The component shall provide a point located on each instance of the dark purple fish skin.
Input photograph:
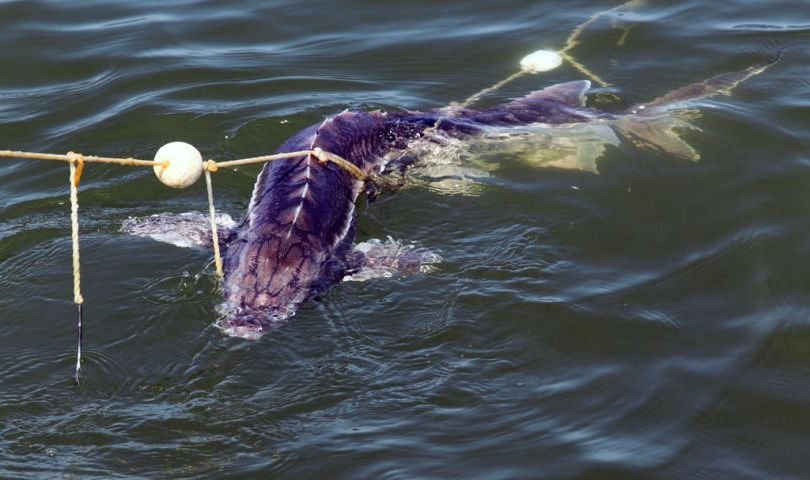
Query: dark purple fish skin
(294, 239)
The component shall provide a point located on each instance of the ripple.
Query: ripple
(769, 27)
(178, 289)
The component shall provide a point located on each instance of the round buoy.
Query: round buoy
(185, 164)
(541, 61)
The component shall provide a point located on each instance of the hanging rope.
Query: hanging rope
(76, 167)
(214, 236)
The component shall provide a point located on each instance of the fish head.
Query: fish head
(251, 323)
(268, 275)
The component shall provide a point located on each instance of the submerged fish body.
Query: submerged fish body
(297, 235)
(296, 238)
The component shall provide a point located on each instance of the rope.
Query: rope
(573, 40)
(322, 156)
(477, 96)
(77, 161)
(74, 224)
(210, 165)
(584, 70)
(77, 157)
(213, 213)
(76, 167)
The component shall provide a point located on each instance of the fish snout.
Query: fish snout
(250, 324)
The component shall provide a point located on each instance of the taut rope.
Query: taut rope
(214, 236)
(210, 165)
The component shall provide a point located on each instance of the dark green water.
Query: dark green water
(650, 322)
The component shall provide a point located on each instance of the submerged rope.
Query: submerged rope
(474, 98)
(573, 40)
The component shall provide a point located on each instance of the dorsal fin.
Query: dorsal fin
(569, 93)
(557, 104)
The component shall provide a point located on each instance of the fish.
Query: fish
(297, 237)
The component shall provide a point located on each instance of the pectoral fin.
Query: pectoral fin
(187, 230)
(383, 259)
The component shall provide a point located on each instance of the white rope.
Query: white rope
(214, 237)
(75, 174)
(77, 157)
(74, 225)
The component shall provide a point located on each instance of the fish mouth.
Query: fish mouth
(250, 324)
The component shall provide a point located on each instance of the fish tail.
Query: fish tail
(658, 124)
(721, 84)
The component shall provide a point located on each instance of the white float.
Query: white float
(185, 164)
(541, 61)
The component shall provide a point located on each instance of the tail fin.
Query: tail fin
(717, 85)
(645, 125)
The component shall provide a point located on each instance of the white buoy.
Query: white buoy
(541, 61)
(185, 164)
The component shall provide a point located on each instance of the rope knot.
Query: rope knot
(76, 159)
(320, 155)
(325, 157)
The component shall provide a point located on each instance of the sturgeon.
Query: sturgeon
(296, 239)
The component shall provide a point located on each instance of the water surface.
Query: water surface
(649, 322)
